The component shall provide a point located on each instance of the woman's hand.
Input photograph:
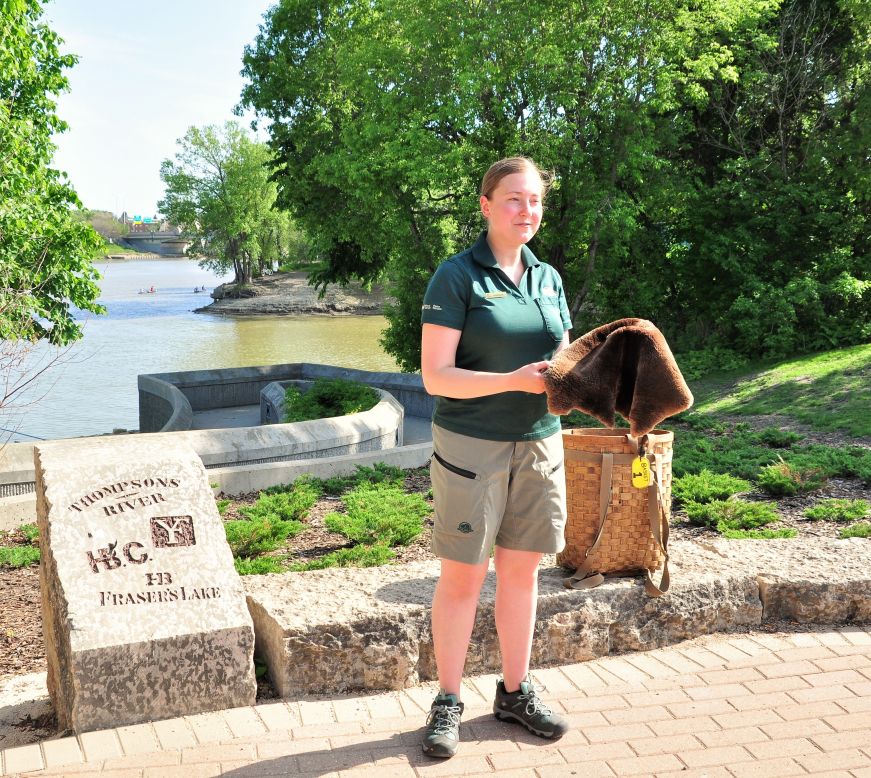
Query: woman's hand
(530, 378)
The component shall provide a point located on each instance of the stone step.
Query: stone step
(337, 630)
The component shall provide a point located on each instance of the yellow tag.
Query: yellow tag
(641, 473)
(494, 295)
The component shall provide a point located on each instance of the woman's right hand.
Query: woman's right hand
(530, 378)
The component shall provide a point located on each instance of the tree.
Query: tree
(45, 251)
(104, 222)
(218, 191)
(764, 238)
(383, 117)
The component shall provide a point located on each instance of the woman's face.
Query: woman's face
(513, 210)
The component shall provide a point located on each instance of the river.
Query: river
(92, 387)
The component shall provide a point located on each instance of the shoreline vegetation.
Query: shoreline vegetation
(110, 252)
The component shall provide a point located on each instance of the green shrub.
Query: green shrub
(784, 479)
(730, 514)
(328, 397)
(293, 505)
(696, 364)
(846, 462)
(707, 486)
(737, 454)
(740, 453)
(380, 513)
(30, 531)
(702, 422)
(758, 534)
(777, 438)
(222, 506)
(578, 419)
(378, 473)
(838, 510)
(860, 530)
(356, 556)
(247, 538)
(18, 556)
(277, 515)
(259, 566)
(304, 485)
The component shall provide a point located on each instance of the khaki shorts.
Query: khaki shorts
(490, 492)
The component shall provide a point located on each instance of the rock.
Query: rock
(343, 629)
(368, 636)
(811, 580)
(144, 615)
(283, 294)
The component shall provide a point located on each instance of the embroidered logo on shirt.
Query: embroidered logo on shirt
(428, 307)
(549, 291)
(464, 527)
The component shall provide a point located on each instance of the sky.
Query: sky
(146, 72)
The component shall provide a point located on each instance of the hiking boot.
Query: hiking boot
(525, 707)
(442, 736)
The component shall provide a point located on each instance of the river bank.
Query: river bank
(289, 293)
(128, 256)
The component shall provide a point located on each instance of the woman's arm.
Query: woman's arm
(442, 377)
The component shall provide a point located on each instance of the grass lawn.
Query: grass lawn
(828, 391)
(111, 248)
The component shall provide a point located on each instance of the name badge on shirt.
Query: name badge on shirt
(494, 295)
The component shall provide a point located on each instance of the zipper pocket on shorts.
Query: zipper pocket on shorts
(454, 468)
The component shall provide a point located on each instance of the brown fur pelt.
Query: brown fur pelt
(625, 366)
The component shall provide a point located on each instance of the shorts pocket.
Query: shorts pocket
(553, 492)
(453, 468)
(458, 494)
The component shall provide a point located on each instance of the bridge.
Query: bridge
(167, 244)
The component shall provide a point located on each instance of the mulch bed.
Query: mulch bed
(21, 647)
(21, 642)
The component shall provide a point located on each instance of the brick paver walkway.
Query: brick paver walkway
(755, 704)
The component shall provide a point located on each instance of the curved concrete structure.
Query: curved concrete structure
(165, 399)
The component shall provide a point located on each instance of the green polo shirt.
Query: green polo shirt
(503, 327)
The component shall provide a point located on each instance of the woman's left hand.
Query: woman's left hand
(530, 378)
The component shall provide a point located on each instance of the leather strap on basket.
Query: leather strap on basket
(585, 577)
(659, 529)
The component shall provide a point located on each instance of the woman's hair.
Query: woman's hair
(508, 166)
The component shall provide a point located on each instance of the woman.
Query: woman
(492, 317)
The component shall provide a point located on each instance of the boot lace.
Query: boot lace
(534, 704)
(443, 719)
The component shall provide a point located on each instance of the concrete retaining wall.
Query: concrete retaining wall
(209, 389)
(252, 478)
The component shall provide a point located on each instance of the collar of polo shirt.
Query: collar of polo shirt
(483, 255)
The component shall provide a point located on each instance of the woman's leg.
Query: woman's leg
(453, 616)
(516, 601)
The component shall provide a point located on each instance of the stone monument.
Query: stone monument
(143, 613)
